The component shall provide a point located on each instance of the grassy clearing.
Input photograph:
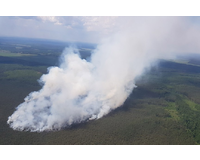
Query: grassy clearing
(9, 54)
(180, 61)
(172, 109)
(21, 74)
(193, 106)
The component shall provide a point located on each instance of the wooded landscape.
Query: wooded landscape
(163, 109)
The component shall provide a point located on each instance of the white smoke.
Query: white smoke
(79, 90)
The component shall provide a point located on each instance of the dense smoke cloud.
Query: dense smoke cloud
(80, 90)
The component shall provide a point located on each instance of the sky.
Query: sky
(64, 28)
(91, 29)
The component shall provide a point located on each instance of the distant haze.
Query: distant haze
(80, 90)
(67, 28)
(82, 29)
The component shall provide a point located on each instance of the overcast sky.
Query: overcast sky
(68, 28)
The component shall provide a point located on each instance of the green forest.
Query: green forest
(163, 109)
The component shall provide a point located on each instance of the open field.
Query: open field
(9, 54)
(163, 109)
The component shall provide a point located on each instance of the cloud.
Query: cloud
(105, 25)
(65, 21)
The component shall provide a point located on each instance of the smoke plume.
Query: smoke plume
(80, 90)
